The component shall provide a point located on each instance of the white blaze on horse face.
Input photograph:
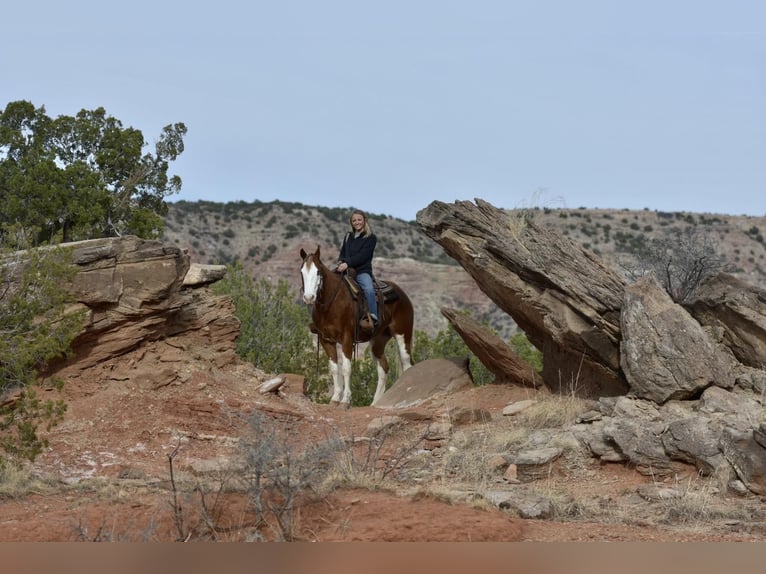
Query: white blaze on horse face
(311, 282)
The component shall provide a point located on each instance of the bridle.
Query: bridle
(320, 284)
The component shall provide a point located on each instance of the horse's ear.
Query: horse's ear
(303, 253)
(317, 251)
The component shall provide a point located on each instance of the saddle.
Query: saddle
(383, 290)
(383, 293)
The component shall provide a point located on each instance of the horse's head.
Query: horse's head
(311, 275)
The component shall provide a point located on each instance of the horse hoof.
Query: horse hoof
(345, 406)
(334, 403)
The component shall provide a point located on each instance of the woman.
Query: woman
(356, 252)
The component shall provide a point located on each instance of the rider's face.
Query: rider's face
(357, 222)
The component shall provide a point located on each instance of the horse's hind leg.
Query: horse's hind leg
(404, 345)
(345, 368)
(381, 366)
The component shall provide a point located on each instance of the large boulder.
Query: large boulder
(426, 380)
(666, 354)
(736, 312)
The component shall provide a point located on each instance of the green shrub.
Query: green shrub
(364, 374)
(527, 351)
(274, 334)
(447, 344)
(37, 326)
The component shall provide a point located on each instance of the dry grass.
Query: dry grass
(697, 503)
(17, 481)
(553, 411)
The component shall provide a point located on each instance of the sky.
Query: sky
(388, 106)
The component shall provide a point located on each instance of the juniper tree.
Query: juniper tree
(80, 177)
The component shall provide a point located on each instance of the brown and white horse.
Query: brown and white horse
(335, 314)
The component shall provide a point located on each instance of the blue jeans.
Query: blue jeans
(365, 282)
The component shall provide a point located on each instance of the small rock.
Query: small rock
(517, 407)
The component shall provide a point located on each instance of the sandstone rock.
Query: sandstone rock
(533, 464)
(694, 439)
(593, 437)
(199, 274)
(133, 292)
(720, 401)
(272, 385)
(636, 428)
(525, 504)
(517, 407)
(747, 457)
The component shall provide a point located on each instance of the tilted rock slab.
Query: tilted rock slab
(492, 351)
(562, 296)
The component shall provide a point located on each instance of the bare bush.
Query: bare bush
(679, 261)
(369, 462)
(280, 466)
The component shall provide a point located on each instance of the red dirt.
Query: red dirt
(107, 469)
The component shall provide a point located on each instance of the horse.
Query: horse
(336, 314)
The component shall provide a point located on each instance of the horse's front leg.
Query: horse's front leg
(332, 363)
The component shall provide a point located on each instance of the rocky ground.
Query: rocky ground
(146, 456)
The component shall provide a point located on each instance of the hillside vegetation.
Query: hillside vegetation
(265, 238)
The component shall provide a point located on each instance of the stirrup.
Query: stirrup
(367, 323)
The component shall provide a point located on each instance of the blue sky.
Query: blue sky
(387, 106)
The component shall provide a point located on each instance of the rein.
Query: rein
(334, 295)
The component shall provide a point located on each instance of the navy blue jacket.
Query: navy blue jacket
(357, 252)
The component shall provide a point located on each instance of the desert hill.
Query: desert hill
(265, 238)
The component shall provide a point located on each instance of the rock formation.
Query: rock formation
(736, 313)
(675, 384)
(562, 296)
(135, 290)
(665, 353)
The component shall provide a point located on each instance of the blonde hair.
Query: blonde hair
(367, 229)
